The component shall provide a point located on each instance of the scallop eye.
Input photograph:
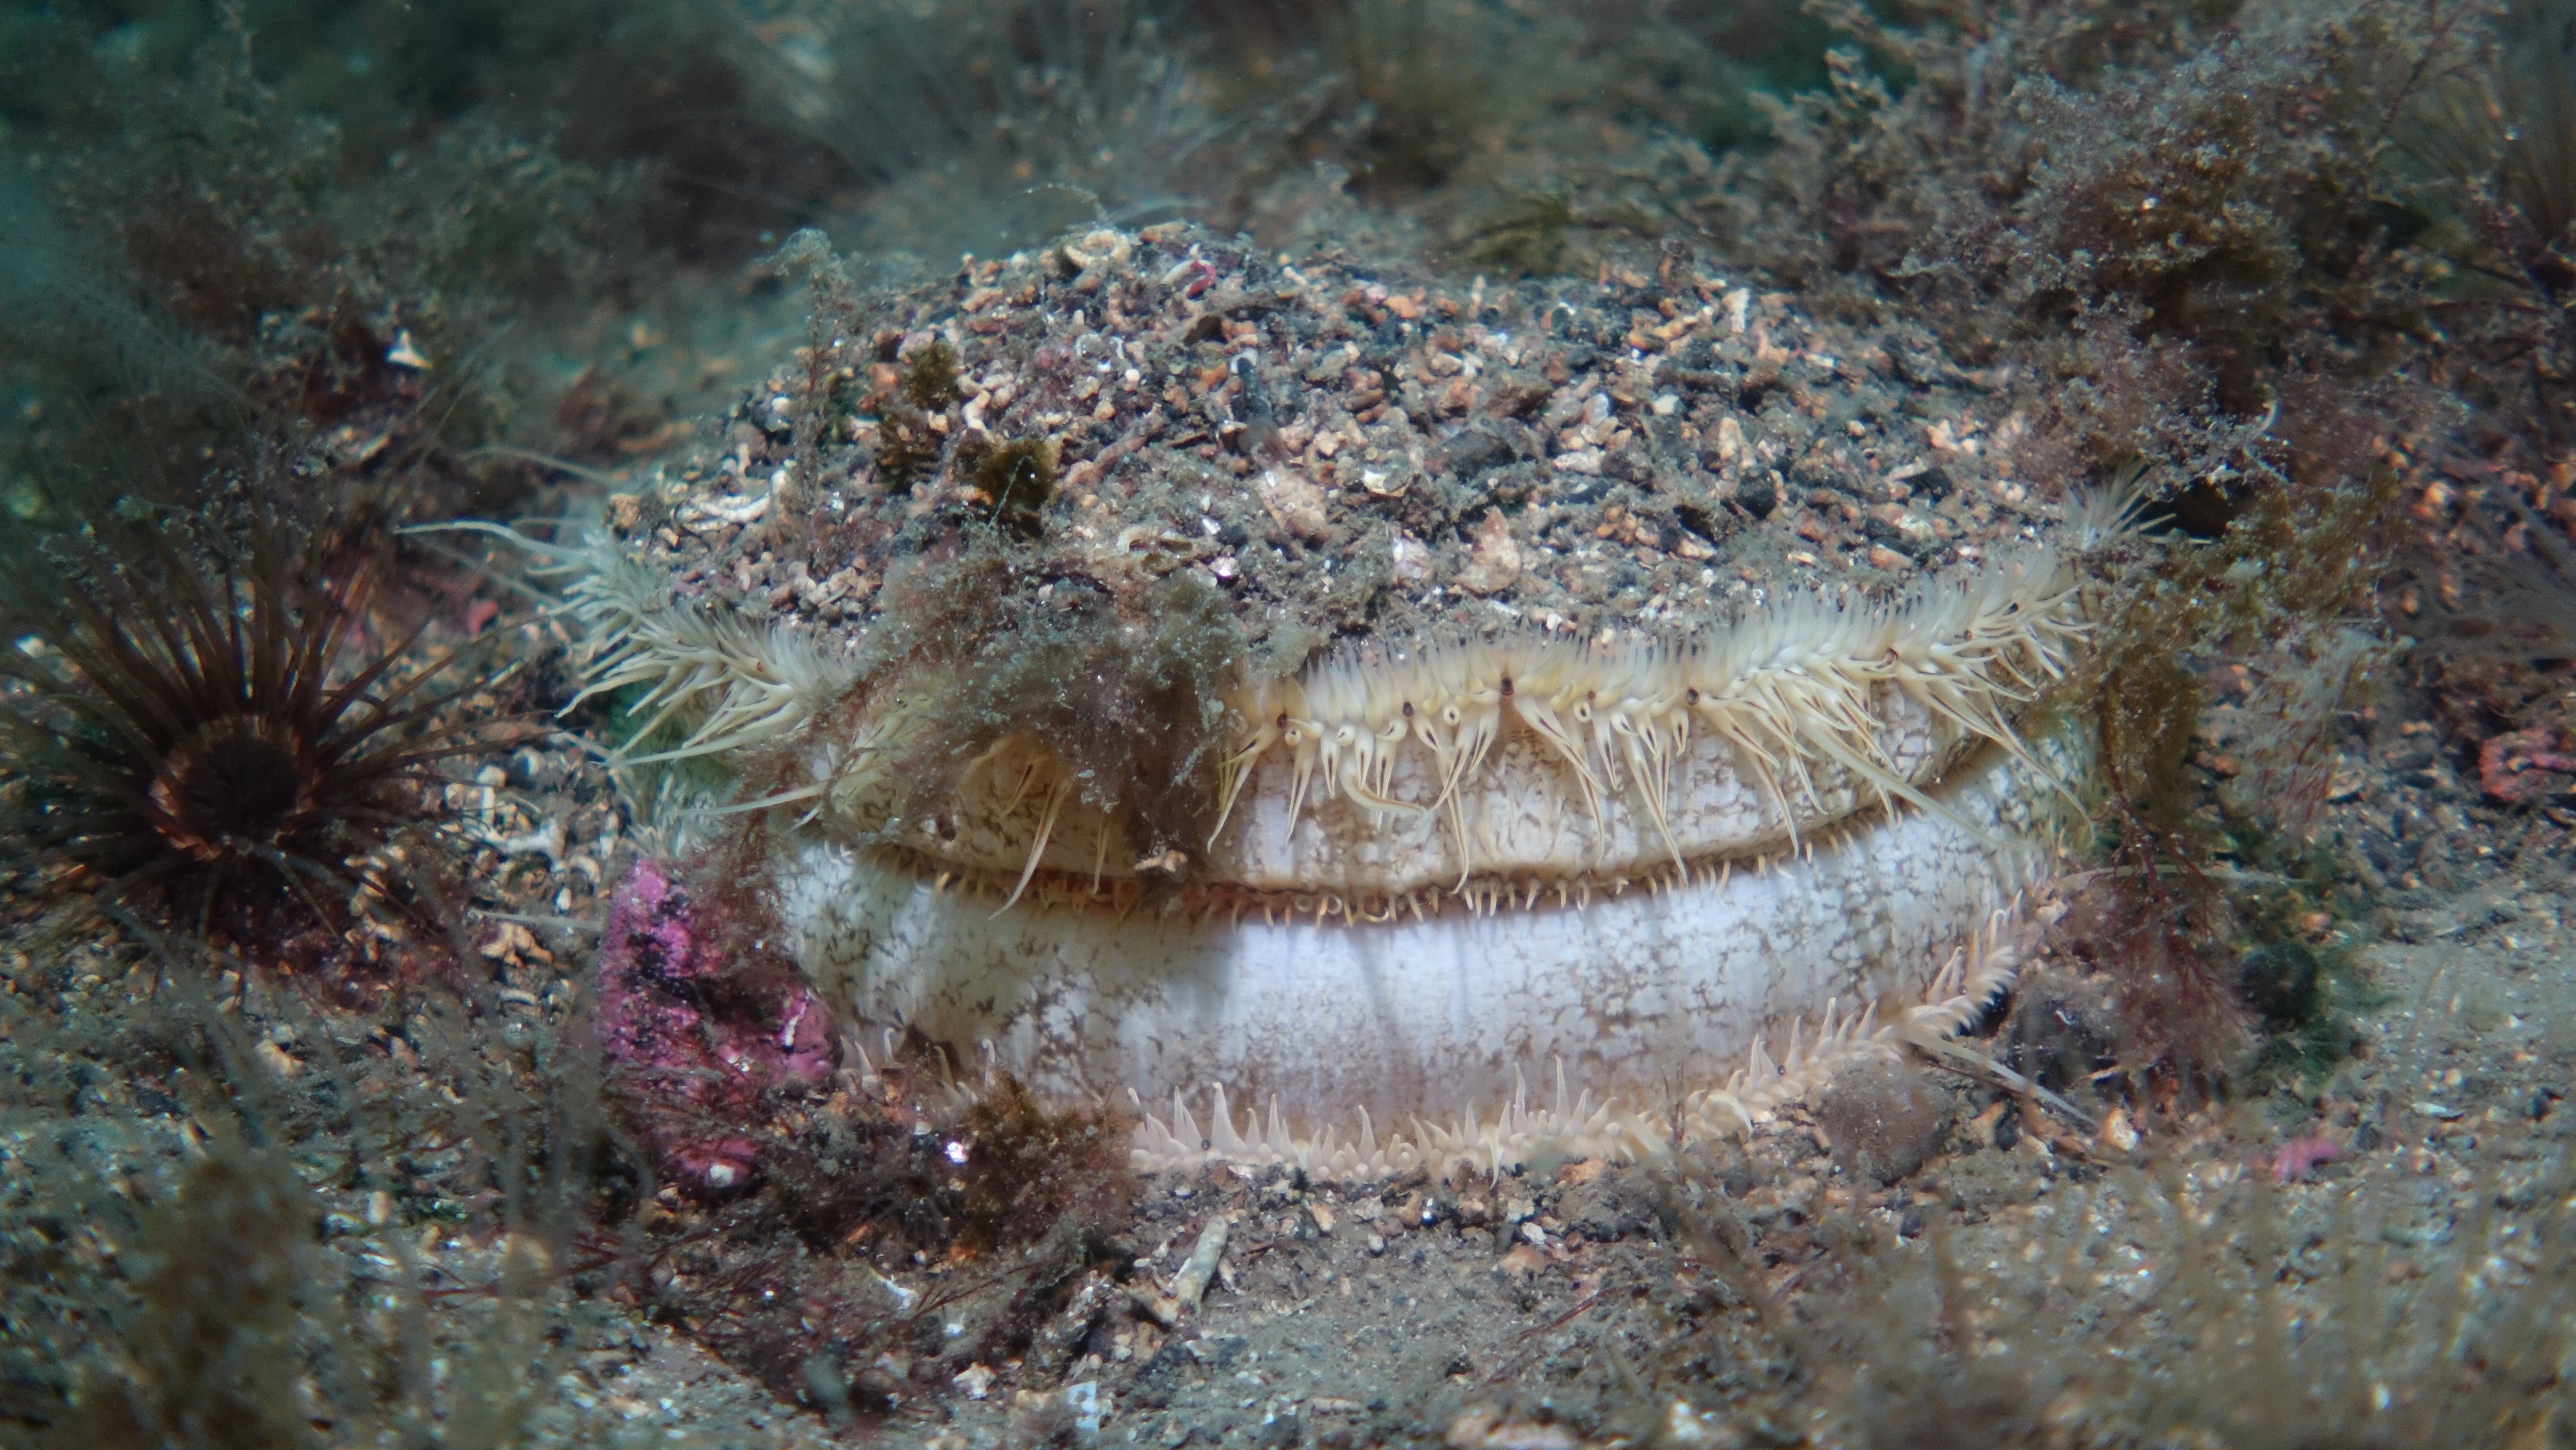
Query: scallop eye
(1691, 696)
(1507, 687)
(1408, 709)
(1283, 720)
(1450, 716)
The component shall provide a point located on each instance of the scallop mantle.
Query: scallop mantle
(1468, 906)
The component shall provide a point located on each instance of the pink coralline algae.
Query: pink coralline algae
(698, 1035)
(2526, 765)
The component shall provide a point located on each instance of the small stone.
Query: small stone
(1474, 450)
(1331, 1405)
(1607, 1208)
(1294, 502)
(1192, 1281)
(1163, 1309)
(1411, 560)
(1496, 560)
(1089, 1407)
(1730, 441)
(1217, 1351)
(1687, 1429)
(2118, 1134)
(1882, 1120)
(278, 1060)
(1759, 496)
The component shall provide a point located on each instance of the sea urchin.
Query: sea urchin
(217, 744)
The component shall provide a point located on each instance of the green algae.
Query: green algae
(1125, 679)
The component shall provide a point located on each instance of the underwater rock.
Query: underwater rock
(698, 1035)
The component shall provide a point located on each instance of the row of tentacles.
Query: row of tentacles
(1790, 687)
(1574, 1125)
(1797, 683)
